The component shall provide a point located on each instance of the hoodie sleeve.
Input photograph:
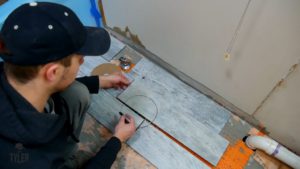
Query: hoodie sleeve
(106, 156)
(91, 82)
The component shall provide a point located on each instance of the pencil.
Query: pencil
(126, 120)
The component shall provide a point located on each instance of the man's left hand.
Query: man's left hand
(116, 80)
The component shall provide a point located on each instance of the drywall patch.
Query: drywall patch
(128, 34)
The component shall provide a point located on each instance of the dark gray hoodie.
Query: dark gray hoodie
(33, 140)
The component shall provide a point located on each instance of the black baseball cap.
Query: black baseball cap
(42, 32)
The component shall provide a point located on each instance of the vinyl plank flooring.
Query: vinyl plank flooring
(186, 114)
(162, 151)
(142, 70)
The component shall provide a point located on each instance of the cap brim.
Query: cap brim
(97, 42)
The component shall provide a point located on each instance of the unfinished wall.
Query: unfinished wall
(193, 36)
(282, 112)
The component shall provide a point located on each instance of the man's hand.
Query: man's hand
(125, 130)
(116, 80)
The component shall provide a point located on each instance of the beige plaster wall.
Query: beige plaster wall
(193, 35)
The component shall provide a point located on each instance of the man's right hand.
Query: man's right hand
(124, 130)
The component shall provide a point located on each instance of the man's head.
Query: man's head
(47, 37)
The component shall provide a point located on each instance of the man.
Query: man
(42, 105)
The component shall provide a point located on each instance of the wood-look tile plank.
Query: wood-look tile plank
(149, 142)
(204, 109)
(163, 152)
(186, 114)
(105, 108)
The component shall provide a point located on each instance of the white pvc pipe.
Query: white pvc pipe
(275, 149)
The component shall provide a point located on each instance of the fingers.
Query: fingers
(124, 130)
(128, 119)
(121, 81)
(122, 119)
(115, 80)
(124, 79)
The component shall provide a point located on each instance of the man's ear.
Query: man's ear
(52, 72)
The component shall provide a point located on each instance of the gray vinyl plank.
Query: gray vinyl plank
(105, 109)
(115, 47)
(186, 114)
(162, 151)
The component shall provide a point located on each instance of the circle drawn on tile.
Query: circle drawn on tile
(145, 106)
